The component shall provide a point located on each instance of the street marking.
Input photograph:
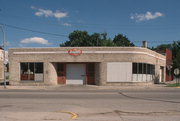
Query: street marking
(73, 115)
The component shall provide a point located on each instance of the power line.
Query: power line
(25, 29)
(153, 41)
(108, 26)
(47, 33)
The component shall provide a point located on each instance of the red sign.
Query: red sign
(75, 52)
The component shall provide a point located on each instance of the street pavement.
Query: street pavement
(90, 103)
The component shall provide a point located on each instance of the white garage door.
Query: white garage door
(119, 71)
(74, 73)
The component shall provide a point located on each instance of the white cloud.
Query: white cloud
(67, 24)
(147, 16)
(42, 12)
(33, 7)
(59, 14)
(37, 40)
(49, 13)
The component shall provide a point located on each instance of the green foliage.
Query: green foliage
(121, 40)
(174, 85)
(175, 47)
(162, 47)
(176, 54)
(78, 38)
(82, 38)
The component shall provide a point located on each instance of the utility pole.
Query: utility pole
(4, 63)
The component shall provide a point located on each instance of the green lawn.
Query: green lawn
(173, 85)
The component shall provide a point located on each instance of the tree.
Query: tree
(82, 38)
(176, 54)
(78, 38)
(96, 39)
(101, 40)
(175, 47)
(161, 47)
(121, 40)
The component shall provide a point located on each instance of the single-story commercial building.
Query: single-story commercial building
(85, 65)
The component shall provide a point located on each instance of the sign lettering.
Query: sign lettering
(75, 52)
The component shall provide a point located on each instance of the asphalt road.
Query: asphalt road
(137, 104)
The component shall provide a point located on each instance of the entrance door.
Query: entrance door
(90, 73)
(61, 72)
(75, 73)
(161, 74)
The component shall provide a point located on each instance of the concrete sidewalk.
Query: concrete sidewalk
(82, 87)
(50, 87)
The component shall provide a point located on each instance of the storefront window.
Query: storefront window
(143, 68)
(140, 68)
(31, 71)
(24, 68)
(38, 67)
(148, 69)
(134, 68)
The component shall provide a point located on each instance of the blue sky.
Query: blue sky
(156, 21)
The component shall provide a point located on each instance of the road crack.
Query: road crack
(147, 99)
(134, 113)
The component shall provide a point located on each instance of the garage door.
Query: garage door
(119, 72)
(74, 73)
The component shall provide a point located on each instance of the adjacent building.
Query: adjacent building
(2, 62)
(169, 63)
(85, 65)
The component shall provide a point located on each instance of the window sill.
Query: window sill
(29, 81)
